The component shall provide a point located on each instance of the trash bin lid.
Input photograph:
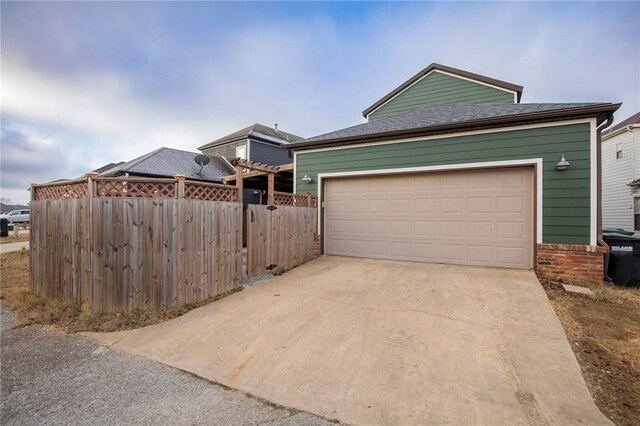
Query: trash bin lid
(620, 238)
(619, 231)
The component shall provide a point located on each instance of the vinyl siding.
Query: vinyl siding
(566, 197)
(269, 154)
(227, 150)
(617, 201)
(438, 88)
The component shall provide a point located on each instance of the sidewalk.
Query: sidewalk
(7, 248)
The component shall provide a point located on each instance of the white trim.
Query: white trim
(536, 162)
(448, 135)
(445, 73)
(475, 81)
(248, 149)
(295, 174)
(628, 128)
(594, 183)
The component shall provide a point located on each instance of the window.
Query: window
(618, 151)
(636, 214)
(241, 152)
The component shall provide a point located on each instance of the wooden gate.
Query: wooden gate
(279, 237)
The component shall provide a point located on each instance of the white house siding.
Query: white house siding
(617, 200)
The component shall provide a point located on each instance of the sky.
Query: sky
(85, 84)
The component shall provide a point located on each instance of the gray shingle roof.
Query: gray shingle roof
(168, 162)
(257, 130)
(634, 119)
(440, 115)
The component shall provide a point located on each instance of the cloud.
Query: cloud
(91, 83)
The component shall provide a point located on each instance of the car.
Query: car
(17, 216)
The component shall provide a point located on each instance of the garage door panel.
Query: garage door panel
(514, 230)
(511, 204)
(480, 229)
(402, 205)
(481, 205)
(425, 205)
(471, 217)
(456, 205)
(481, 254)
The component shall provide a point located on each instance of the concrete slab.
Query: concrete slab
(384, 342)
(577, 289)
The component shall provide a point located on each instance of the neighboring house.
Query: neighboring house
(451, 168)
(168, 162)
(621, 175)
(256, 143)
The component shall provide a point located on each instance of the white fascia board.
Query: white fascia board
(535, 162)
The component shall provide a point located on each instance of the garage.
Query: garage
(475, 217)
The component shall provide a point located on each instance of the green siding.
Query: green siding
(566, 197)
(439, 88)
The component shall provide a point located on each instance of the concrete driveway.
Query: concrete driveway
(384, 342)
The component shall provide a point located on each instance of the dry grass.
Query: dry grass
(604, 331)
(33, 309)
(10, 239)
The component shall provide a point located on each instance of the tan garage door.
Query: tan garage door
(470, 218)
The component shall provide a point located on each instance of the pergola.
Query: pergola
(260, 176)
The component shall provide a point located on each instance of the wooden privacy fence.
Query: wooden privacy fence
(279, 237)
(114, 244)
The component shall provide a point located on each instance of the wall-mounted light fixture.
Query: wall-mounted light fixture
(306, 178)
(563, 164)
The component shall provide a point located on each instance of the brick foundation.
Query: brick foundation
(571, 262)
(316, 245)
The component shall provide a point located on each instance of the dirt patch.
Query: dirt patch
(604, 332)
(33, 309)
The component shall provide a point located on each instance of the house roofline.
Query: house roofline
(599, 111)
(434, 66)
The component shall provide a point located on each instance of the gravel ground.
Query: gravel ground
(55, 378)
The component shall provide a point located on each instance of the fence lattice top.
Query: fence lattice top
(210, 192)
(62, 191)
(156, 188)
(287, 199)
(135, 189)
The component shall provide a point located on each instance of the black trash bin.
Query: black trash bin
(624, 259)
(4, 227)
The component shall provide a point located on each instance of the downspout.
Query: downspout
(599, 194)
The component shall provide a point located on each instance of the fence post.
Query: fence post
(180, 189)
(90, 183)
(239, 183)
(271, 185)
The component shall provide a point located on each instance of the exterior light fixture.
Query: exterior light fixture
(306, 178)
(563, 164)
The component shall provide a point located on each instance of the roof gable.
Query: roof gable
(255, 131)
(440, 84)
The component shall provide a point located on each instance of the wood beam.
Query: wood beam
(271, 189)
(255, 165)
(239, 183)
(231, 178)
